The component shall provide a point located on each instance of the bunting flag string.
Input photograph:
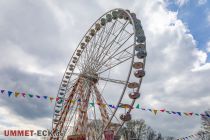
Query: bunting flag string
(193, 136)
(92, 104)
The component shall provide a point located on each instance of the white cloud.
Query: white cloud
(208, 18)
(181, 2)
(172, 54)
(208, 47)
(202, 2)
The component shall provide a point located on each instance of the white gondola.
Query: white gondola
(97, 26)
(115, 14)
(138, 65)
(141, 54)
(134, 95)
(87, 39)
(78, 54)
(68, 73)
(139, 47)
(71, 69)
(82, 45)
(139, 73)
(120, 14)
(133, 85)
(67, 77)
(141, 39)
(103, 21)
(125, 117)
(109, 17)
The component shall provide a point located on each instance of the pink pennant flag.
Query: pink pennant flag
(23, 94)
(51, 98)
(162, 110)
(191, 113)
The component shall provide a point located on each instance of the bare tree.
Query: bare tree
(206, 121)
(135, 129)
(150, 134)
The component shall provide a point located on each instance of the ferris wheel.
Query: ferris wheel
(104, 74)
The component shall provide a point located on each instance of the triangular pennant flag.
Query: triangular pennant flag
(72, 101)
(2, 91)
(197, 114)
(155, 111)
(179, 113)
(138, 106)
(173, 112)
(16, 94)
(202, 115)
(112, 106)
(37, 96)
(45, 97)
(79, 100)
(10, 93)
(57, 98)
(168, 112)
(30, 95)
(190, 113)
(103, 105)
(162, 110)
(51, 98)
(92, 104)
(23, 94)
(60, 101)
(186, 114)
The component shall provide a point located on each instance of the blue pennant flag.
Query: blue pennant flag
(37, 96)
(179, 113)
(2, 91)
(45, 97)
(173, 112)
(10, 93)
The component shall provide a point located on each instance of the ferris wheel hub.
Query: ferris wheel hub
(90, 77)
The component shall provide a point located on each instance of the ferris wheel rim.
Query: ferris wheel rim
(128, 77)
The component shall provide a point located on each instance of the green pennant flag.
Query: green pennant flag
(92, 104)
(138, 106)
(30, 95)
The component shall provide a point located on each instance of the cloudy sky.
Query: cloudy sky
(37, 39)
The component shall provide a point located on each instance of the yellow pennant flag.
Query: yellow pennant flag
(103, 105)
(186, 114)
(155, 111)
(72, 101)
(16, 94)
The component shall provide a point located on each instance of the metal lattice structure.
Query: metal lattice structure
(110, 58)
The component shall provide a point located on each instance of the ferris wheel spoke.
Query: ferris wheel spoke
(100, 36)
(114, 54)
(112, 66)
(105, 41)
(105, 47)
(122, 23)
(111, 43)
